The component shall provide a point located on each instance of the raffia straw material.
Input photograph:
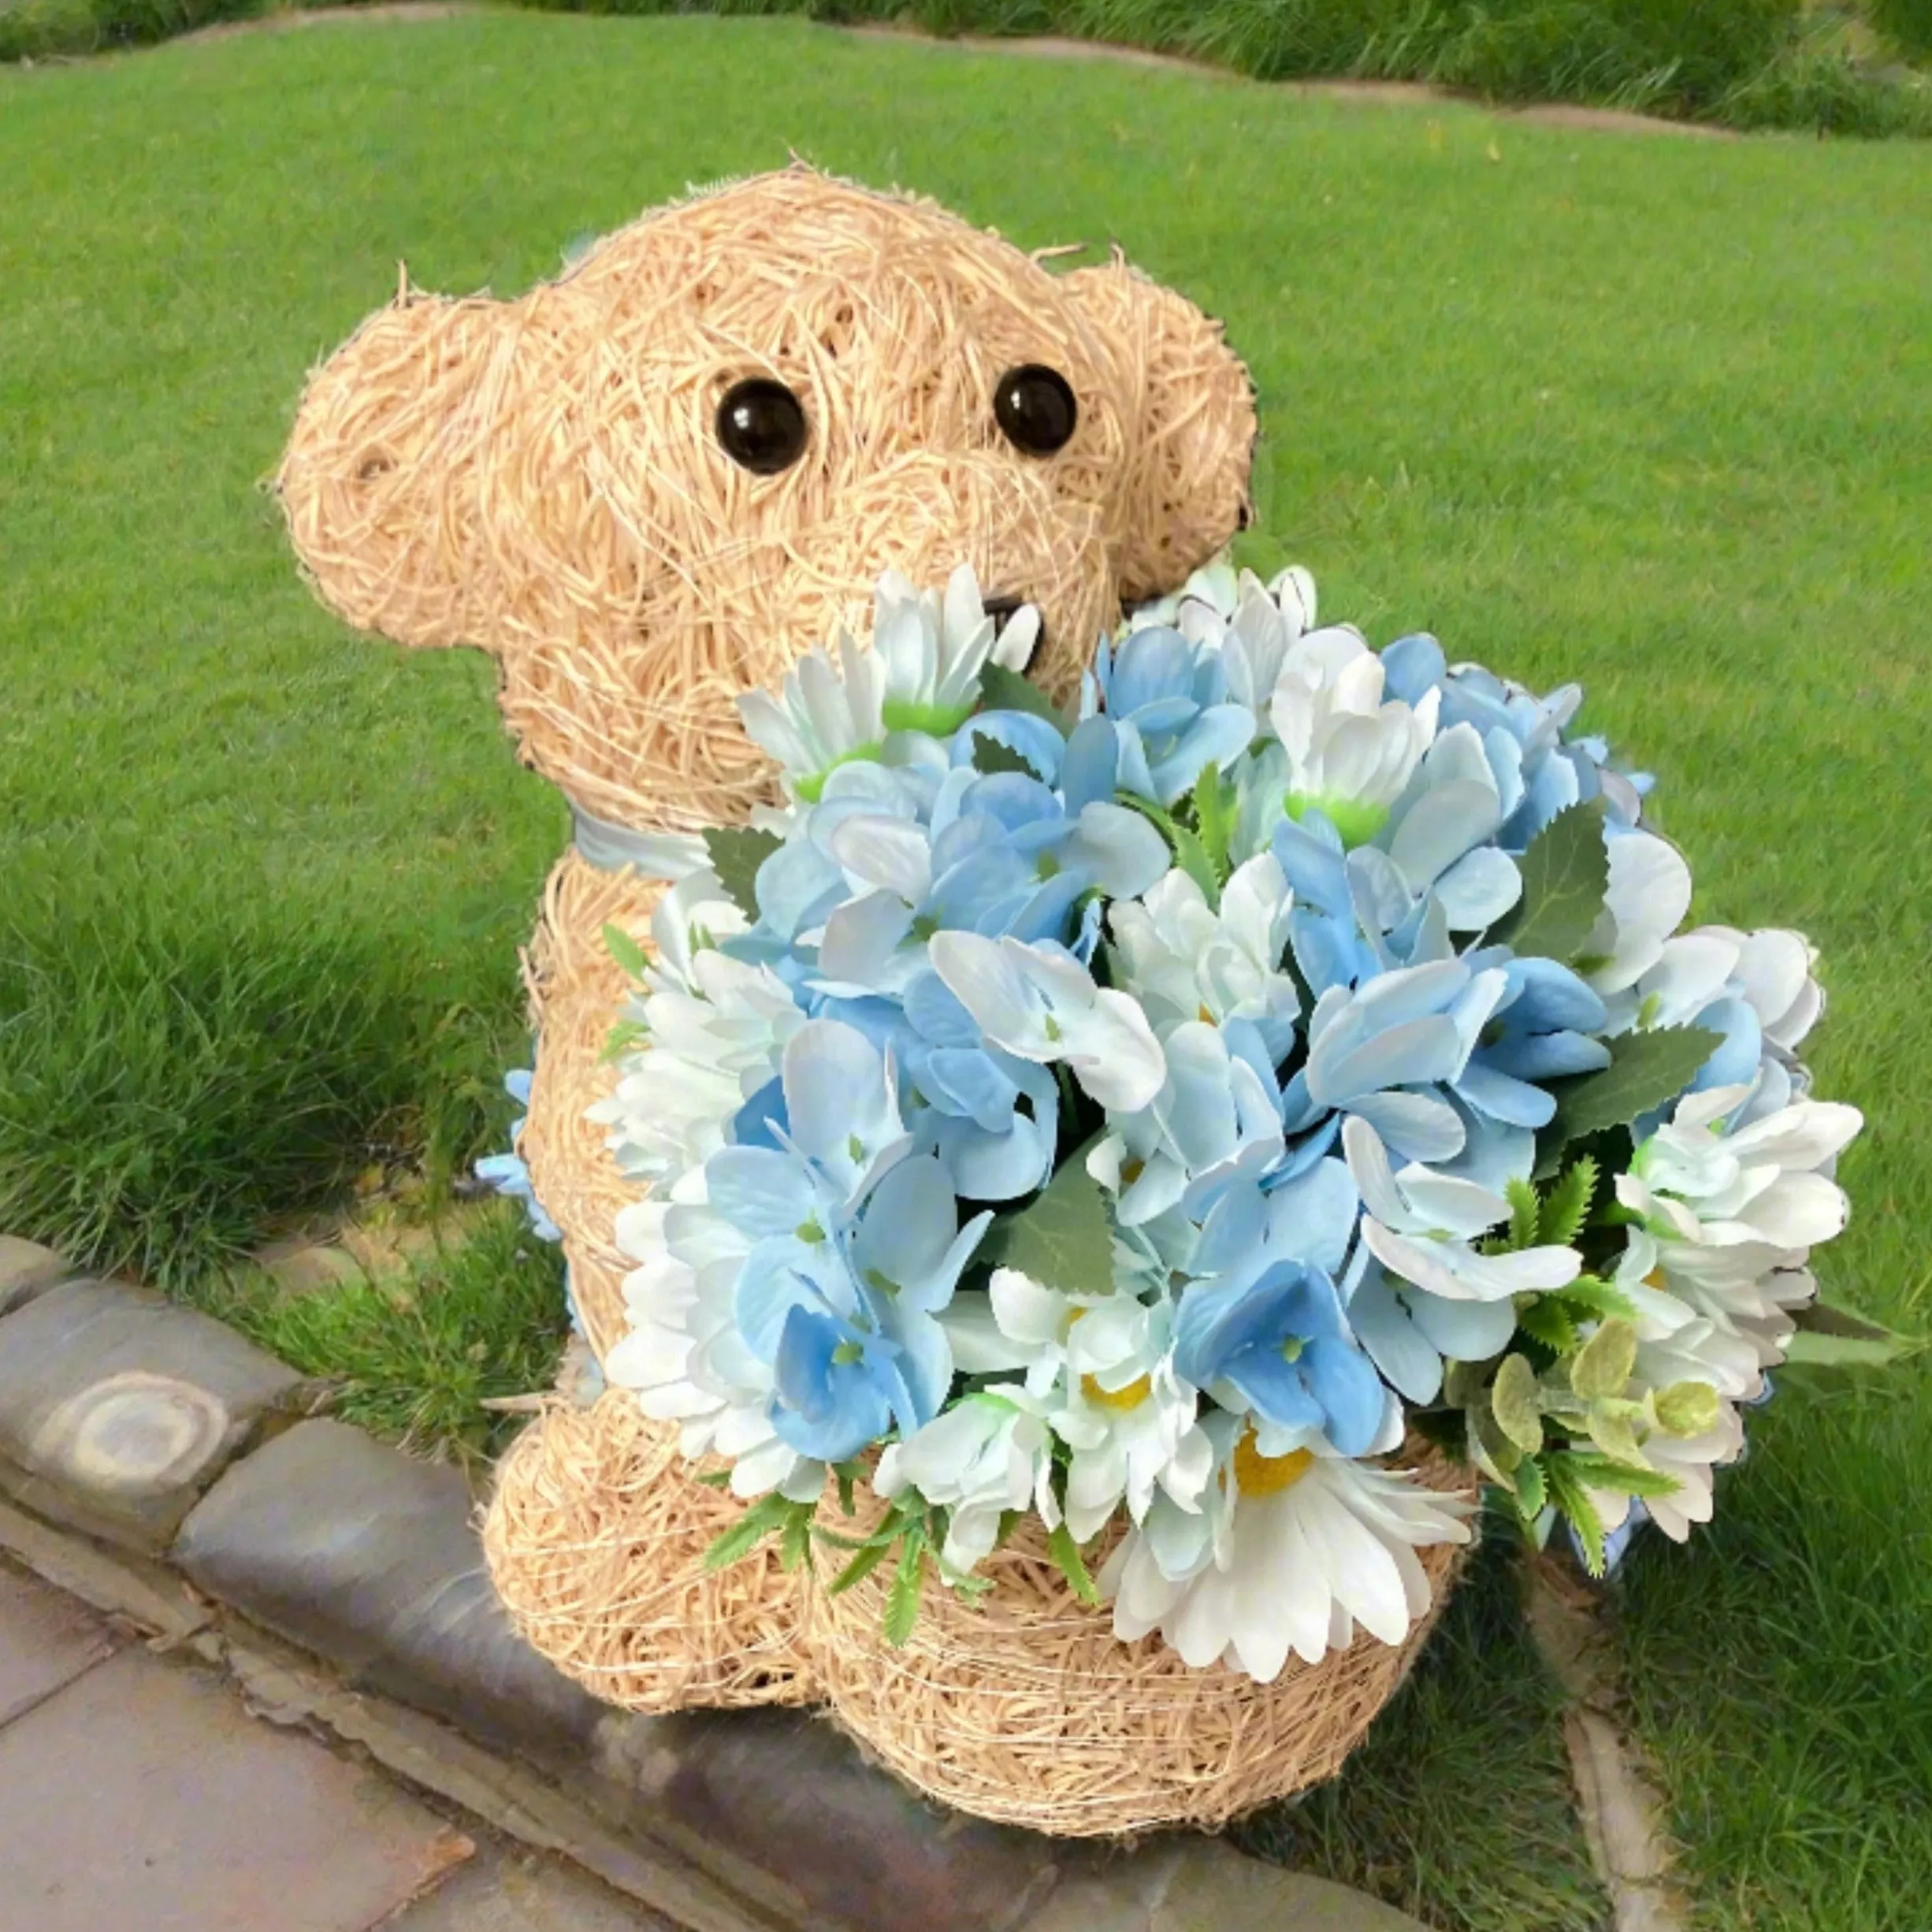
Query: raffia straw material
(596, 1539)
(1022, 1706)
(543, 477)
(574, 988)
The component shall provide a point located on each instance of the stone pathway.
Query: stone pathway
(136, 1790)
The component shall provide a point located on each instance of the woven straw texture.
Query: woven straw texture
(543, 476)
(596, 1539)
(574, 988)
(1024, 1707)
(1021, 1707)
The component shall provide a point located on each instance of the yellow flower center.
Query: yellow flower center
(1266, 1476)
(1131, 1397)
(1655, 1279)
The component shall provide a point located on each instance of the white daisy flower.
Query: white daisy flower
(1292, 1551)
(1693, 1462)
(1350, 755)
(1184, 960)
(990, 1453)
(920, 673)
(934, 647)
(715, 1027)
(1128, 1418)
(1728, 1215)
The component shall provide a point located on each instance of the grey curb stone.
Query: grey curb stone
(829, 1837)
(369, 1558)
(117, 1409)
(27, 1271)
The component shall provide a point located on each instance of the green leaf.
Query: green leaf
(766, 1514)
(1835, 1338)
(1531, 1491)
(1602, 1366)
(1001, 689)
(990, 756)
(845, 1474)
(1566, 1206)
(1526, 1213)
(1062, 1237)
(902, 1598)
(795, 1539)
(1065, 1551)
(1589, 1296)
(736, 853)
(1614, 1432)
(713, 1479)
(625, 950)
(1600, 1472)
(625, 1037)
(861, 1566)
(1516, 1404)
(1686, 1408)
(1645, 1070)
(1566, 874)
(1567, 1492)
(1215, 811)
(1544, 1319)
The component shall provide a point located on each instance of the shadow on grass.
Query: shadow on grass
(1458, 1808)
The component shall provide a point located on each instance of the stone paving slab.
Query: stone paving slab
(371, 1558)
(47, 1640)
(141, 1796)
(118, 1408)
(501, 1892)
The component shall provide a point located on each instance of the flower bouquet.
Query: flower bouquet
(1164, 1134)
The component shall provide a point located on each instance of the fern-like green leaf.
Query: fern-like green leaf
(1544, 1319)
(1567, 1492)
(1629, 1479)
(902, 1598)
(861, 1566)
(1526, 1213)
(1566, 1206)
(766, 1514)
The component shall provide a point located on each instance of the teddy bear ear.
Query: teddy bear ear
(379, 481)
(1189, 414)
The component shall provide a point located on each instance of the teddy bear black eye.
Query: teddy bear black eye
(1034, 408)
(762, 426)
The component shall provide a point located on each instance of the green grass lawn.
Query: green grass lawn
(1654, 412)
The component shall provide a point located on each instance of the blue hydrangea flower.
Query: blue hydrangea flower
(1167, 699)
(508, 1173)
(1555, 772)
(1265, 1320)
(1381, 1050)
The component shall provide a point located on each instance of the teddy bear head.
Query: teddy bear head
(656, 482)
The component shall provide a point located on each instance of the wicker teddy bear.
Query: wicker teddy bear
(646, 487)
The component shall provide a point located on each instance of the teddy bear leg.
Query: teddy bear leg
(595, 1538)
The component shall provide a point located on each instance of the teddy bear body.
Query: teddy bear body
(648, 487)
